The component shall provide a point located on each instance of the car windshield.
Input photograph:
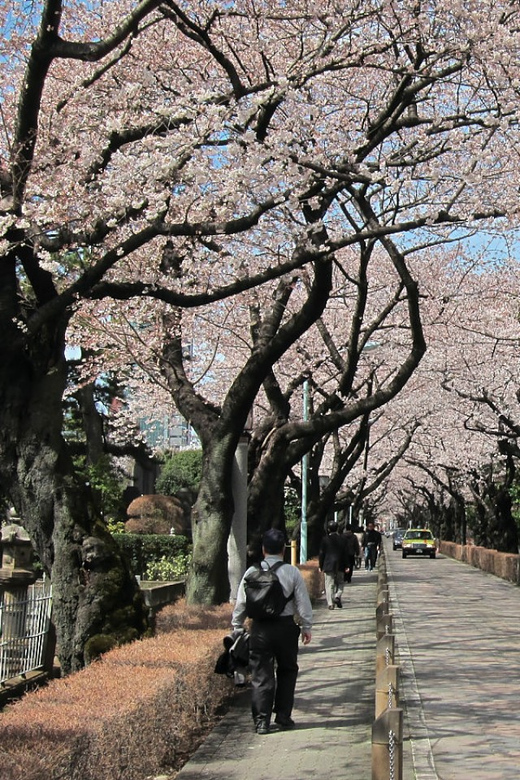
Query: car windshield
(418, 534)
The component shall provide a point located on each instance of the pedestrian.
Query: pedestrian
(273, 642)
(352, 551)
(371, 545)
(332, 563)
(359, 533)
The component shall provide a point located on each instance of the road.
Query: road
(458, 636)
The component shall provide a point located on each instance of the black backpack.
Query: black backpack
(265, 598)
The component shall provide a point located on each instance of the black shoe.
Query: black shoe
(262, 727)
(338, 602)
(284, 723)
(331, 606)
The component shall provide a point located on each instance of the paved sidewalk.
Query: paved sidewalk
(334, 708)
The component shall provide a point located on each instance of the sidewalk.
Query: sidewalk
(334, 708)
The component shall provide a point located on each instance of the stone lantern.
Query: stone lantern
(17, 557)
(16, 574)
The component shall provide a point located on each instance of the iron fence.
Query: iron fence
(24, 626)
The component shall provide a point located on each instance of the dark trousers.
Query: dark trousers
(370, 555)
(350, 562)
(273, 653)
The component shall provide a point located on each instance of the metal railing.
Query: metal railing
(24, 625)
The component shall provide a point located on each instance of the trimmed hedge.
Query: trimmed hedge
(138, 712)
(142, 549)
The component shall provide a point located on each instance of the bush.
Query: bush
(143, 550)
(167, 569)
(85, 726)
(157, 514)
(313, 578)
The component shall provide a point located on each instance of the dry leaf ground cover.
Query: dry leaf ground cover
(140, 711)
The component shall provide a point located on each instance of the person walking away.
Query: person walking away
(332, 563)
(273, 642)
(359, 534)
(371, 545)
(352, 551)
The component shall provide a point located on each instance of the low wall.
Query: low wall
(158, 594)
(504, 565)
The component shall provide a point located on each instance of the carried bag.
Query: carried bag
(235, 657)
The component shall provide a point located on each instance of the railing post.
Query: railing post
(384, 625)
(387, 746)
(387, 689)
(385, 649)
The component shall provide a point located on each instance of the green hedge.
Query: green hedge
(142, 549)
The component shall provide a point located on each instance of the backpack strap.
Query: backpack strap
(274, 568)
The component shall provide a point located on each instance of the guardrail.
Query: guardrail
(387, 729)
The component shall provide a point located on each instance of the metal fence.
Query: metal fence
(24, 625)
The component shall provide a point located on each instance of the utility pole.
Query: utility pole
(305, 469)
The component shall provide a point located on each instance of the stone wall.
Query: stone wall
(504, 565)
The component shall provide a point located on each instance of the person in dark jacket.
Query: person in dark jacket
(332, 564)
(371, 545)
(352, 551)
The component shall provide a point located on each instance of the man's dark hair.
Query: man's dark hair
(273, 541)
(332, 526)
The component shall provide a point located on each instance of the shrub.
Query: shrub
(147, 525)
(145, 549)
(140, 710)
(167, 569)
(156, 514)
(313, 578)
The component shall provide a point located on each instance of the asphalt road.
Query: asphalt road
(458, 636)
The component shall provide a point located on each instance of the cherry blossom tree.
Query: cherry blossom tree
(344, 388)
(185, 153)
(463, 460)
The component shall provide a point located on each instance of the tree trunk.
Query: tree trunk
(219, 430)
(265, 502)
(208, 581)
(96, 600)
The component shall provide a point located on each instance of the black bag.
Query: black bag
(236, 654)
(265, 598)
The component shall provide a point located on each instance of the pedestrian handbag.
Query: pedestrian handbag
(236, 653)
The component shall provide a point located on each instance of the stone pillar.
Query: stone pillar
(16, 574)
(237, 543)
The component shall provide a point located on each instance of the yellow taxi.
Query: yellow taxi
(419, 541)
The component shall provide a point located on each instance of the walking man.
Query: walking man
(352, 551)
(274, 641)
(372, 544)
(332, 563)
